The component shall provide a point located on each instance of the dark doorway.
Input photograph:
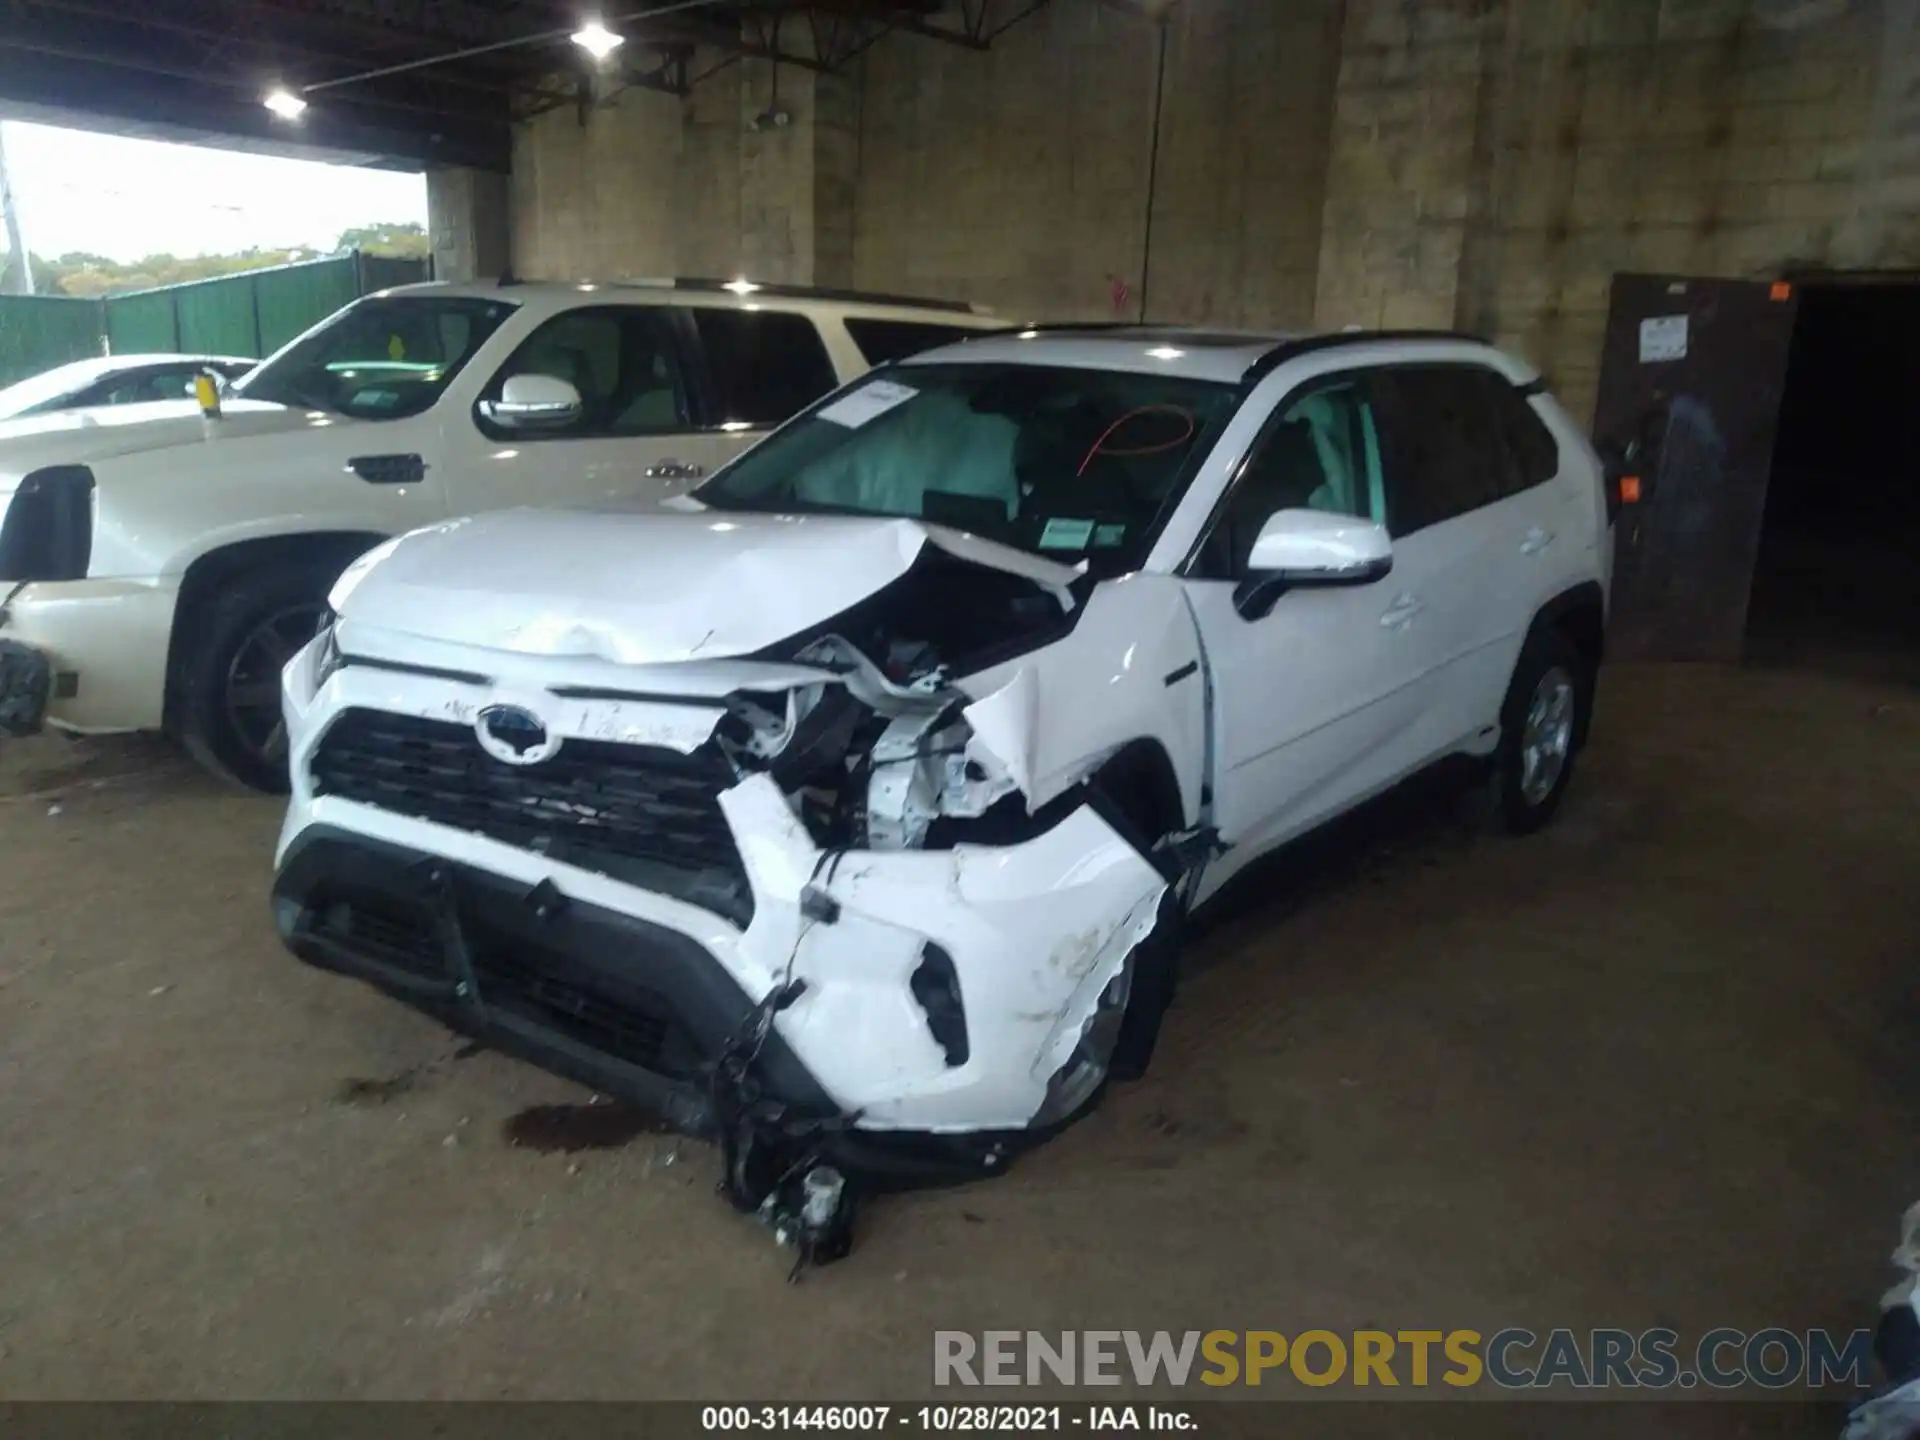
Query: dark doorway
(1837, 579)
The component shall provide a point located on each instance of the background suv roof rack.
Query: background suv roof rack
(810, 292)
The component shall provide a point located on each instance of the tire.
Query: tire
(1541, 721)
(236, 645)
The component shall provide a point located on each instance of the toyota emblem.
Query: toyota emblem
(514, 735)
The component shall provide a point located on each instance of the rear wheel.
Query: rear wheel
(1540, 724)
(229, 714)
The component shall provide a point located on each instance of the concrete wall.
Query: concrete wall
(1020, 178)
(1495, 162)
(1487, 164)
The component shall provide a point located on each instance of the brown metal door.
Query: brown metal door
(1690, 384)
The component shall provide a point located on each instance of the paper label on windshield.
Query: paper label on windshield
(1065, 534)
(869, 402)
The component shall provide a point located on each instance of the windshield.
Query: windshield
(44, 389)
(1066, 463)
(379, 359)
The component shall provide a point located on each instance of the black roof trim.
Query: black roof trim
(821, 292)
(1292, 349)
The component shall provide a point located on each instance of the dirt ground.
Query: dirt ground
(1656, 1066)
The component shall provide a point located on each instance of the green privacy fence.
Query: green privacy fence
(253, 313)
(38, 332)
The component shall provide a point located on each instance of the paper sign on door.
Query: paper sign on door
(1663, 337)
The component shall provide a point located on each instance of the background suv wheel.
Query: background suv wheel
(229, 715)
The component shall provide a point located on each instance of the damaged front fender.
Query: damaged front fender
(1032, 936)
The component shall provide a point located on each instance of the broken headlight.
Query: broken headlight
(326, 656)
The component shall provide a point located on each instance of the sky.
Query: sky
(126, 199)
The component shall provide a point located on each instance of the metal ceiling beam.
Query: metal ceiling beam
(127, 48)
(269, 58)
(63, 90)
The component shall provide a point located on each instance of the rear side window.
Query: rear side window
(1535, 453)
(1448, 451)
(766, 365)
(884, 341)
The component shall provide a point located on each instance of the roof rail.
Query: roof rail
(1310, 344)
(743, 288)
(1057, 326)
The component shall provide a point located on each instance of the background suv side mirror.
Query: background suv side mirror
(1310, 547)
(530, 401)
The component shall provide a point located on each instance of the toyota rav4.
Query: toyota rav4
(849, 807)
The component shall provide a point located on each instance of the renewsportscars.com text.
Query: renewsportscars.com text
(1510, 1359)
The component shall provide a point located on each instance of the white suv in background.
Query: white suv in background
(158, 567)
(849, 807)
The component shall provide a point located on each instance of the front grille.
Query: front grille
(638, 1027)
(394, 934)
(641, 814)
(518, 976)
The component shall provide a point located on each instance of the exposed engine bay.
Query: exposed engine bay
(881, 757)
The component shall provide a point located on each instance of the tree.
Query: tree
(406, 240)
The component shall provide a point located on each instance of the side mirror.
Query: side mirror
(1298, 548)
(529, 401)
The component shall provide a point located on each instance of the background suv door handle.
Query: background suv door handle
(1536, 541)
(1399, 615)
(389, 469)
(675, 470)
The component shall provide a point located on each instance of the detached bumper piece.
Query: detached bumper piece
(26, 679)
(636, 1010)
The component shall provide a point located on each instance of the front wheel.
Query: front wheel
(229, 716)
(1544, 714)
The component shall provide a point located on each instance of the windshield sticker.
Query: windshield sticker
(1063, 533)
(869, 402)
(1105, 537)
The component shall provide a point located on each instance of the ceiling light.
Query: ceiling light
(740, 287)
(283, 102)
(597, 40)
(1165, 352)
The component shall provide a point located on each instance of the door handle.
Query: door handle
(389, 469)
(1399, 615)
(1536, 541)
(675, 470)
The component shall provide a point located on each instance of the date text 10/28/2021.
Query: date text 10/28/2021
(949, 1419)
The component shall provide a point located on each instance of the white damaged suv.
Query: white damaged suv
(848, 808)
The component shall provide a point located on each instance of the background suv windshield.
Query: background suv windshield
(1065, 463)
(378, 359)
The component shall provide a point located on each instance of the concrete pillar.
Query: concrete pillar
(468, 223)
(1401, 178)
(799, 169)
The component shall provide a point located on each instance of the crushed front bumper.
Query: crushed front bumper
(922, 1004)
(26, 679)
(627, 1006)
(636, 1009)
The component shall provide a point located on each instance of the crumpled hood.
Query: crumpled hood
(82, 437)
(646, 588)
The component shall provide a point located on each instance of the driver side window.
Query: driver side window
(1320, 451)
(622, 360)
